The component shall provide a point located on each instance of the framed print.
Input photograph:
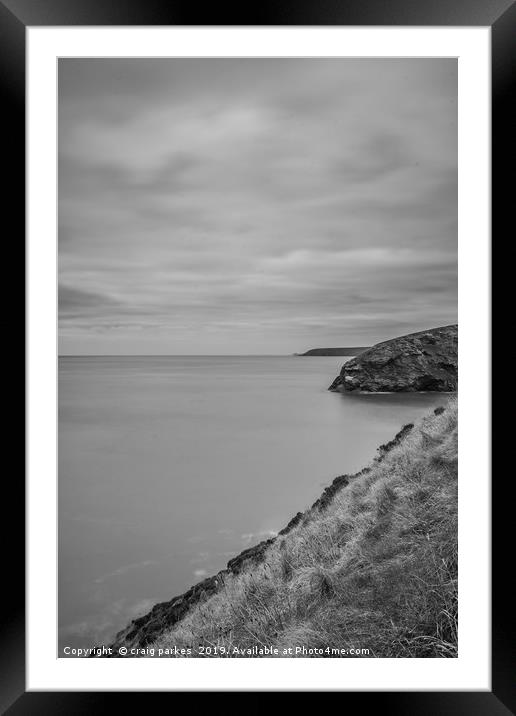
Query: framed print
(251, 241)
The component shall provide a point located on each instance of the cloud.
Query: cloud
(221, 206)
(73, 299)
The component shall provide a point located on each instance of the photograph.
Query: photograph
(258, 357)
(250, 236)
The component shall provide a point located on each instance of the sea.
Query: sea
(169, 466)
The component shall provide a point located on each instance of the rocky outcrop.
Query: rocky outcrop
(350, 351)
(424, 361)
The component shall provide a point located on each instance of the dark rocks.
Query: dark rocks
(424, 361)
(162, 616)
(387, 447)
(293, 522)
(330, 492)
(251, 555)
(336, 384)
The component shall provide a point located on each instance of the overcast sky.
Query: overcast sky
(254, 206)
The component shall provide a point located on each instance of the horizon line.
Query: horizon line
(171, 355)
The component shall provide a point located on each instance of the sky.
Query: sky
(254, 206)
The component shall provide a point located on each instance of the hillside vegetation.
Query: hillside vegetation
(372, 566)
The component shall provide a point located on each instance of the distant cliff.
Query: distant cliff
(424, 361)
(351, 351)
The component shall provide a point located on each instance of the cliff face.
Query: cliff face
(424, 361)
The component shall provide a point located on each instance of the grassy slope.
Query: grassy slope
(376, 569)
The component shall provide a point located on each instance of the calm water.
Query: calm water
(169, 466)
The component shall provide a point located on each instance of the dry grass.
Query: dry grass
(375, 570)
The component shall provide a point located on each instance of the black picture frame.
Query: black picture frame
(15, 17)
